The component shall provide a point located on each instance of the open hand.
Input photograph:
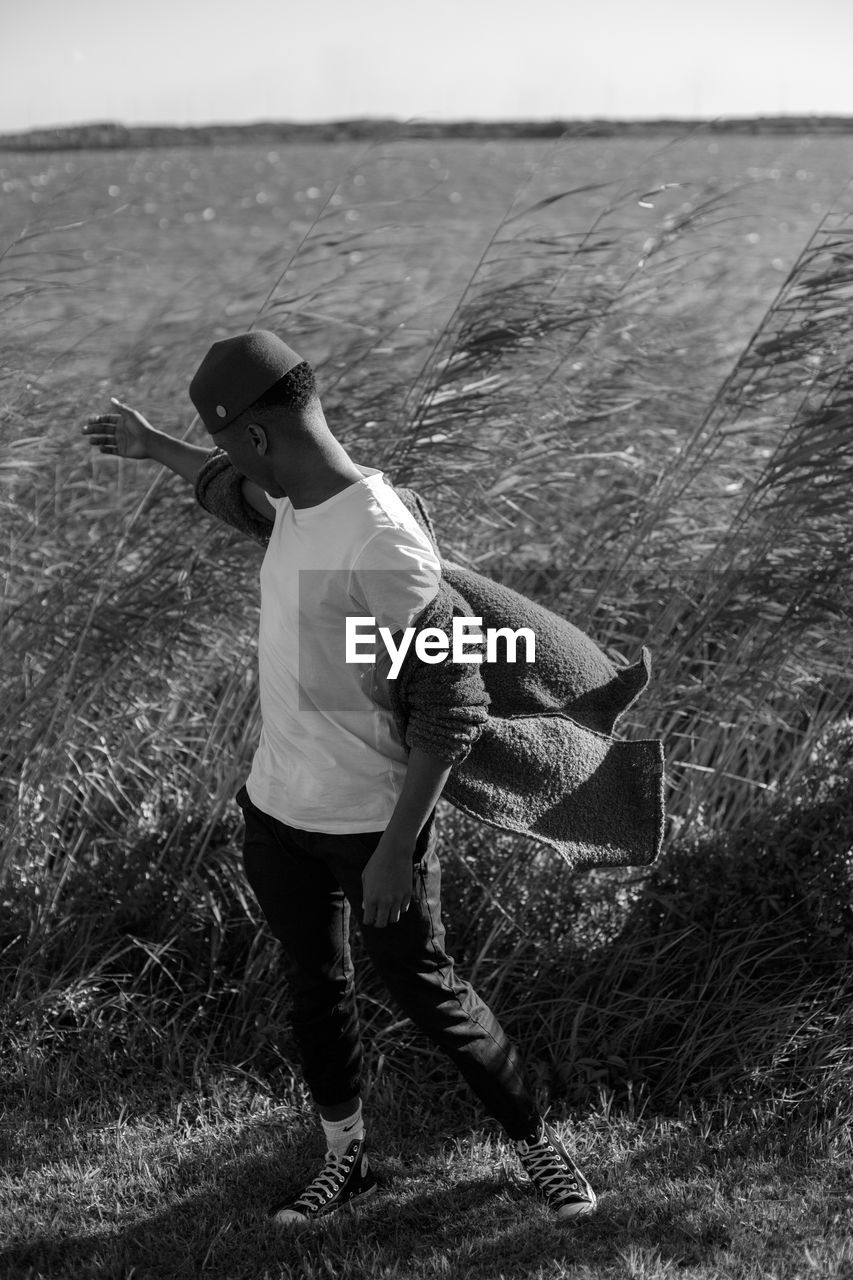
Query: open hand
(124, 432)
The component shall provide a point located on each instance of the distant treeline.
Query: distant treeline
(111, 135)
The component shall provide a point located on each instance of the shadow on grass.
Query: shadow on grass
(424, 1222)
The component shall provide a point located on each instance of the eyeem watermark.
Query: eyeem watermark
(346, 659)
(433, 645)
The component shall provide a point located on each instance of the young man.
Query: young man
(339, 809)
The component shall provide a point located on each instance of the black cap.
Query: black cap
(236, 372)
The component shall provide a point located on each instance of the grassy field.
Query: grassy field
(180, 1189)
(554, 343)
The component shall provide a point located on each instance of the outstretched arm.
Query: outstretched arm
(125, 433)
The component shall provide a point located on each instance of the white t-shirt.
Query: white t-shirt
(330, 757)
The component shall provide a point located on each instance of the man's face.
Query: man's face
(247, 445)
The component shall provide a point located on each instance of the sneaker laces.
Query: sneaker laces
(547, 1168)
(328, 1181)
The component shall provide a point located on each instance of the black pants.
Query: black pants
(307, 883)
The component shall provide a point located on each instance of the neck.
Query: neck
(311, 485)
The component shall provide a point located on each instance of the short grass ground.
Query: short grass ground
(177, 1186)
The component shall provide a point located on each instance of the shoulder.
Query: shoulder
(387, 508)
(392, 535)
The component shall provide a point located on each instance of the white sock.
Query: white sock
(340, 1133)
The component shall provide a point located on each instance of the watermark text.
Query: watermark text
(432, 645)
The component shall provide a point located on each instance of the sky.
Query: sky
(206, 61)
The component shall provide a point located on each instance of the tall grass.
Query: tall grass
(555, 415)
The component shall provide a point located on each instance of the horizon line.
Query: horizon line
(434, 121)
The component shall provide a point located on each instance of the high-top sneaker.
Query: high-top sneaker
(555, 1175)
(342, 1180)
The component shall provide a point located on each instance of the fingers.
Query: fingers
(106, 423)
(380, 914)
(101, 431)
(103, 423)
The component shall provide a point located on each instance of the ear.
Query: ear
(258, 437)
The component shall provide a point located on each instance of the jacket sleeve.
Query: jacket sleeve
(440, 707)
(219, 489)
